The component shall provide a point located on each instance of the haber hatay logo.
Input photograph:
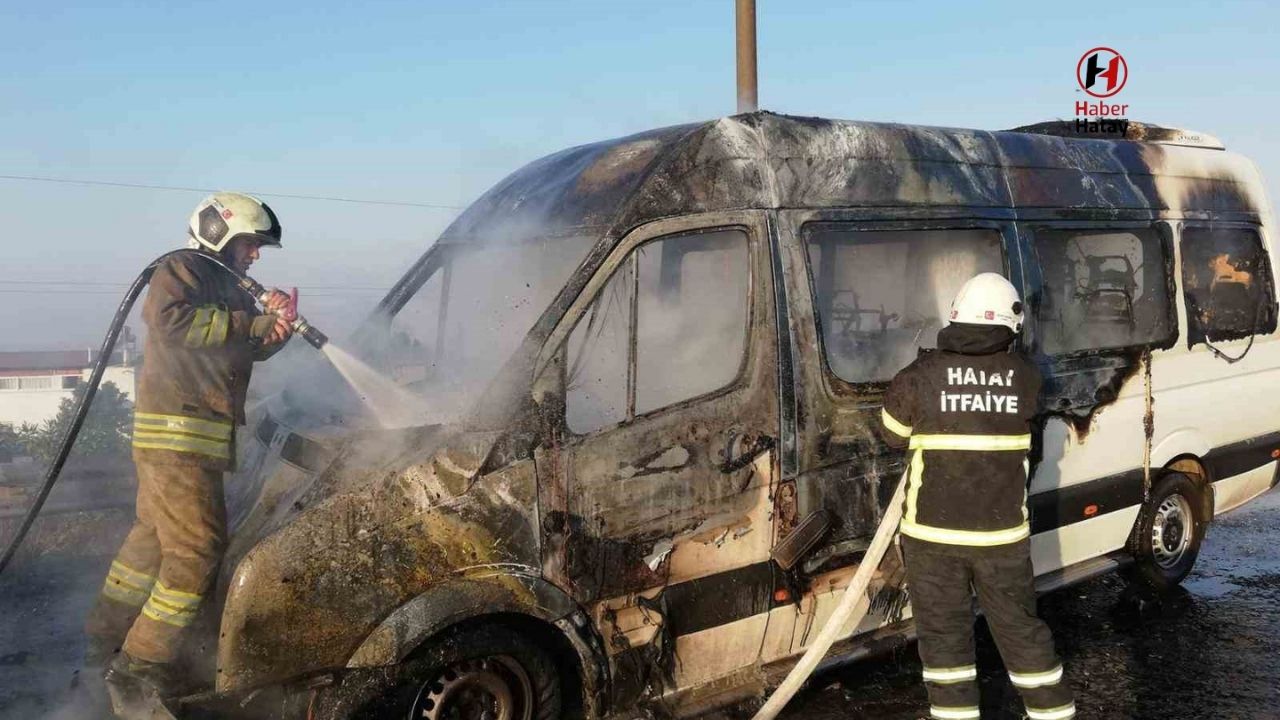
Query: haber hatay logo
(1102, 72)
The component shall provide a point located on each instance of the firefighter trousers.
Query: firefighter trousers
(166, 565)
(940, 578)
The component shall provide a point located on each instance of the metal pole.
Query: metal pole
(748, 99)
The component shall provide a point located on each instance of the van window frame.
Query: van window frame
(1259, 232)
(618, 260)
(1032, 340)
(836, 387)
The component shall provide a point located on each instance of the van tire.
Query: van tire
(489, 664)
(397, 692)
(1166, 540)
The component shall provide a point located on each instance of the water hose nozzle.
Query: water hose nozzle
(309, 332)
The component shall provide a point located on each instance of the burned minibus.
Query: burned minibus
(647, 464)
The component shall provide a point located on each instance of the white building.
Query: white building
(33, 384)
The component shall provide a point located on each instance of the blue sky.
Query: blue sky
(433, 102)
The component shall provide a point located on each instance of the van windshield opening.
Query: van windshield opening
(470, 314)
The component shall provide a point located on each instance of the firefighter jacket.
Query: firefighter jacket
(964, 411)
(203, 335)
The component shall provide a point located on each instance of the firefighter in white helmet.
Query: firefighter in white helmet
(965, 412)
(204, 334)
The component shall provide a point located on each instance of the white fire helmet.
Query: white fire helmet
(988, 299)
(225, 215)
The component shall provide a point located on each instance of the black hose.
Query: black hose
(1257, 319)
(82, 410)
(99, 367)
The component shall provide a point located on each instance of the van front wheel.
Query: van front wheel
(490, 673)
(1169, 533)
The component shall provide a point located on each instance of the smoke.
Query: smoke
(448, 343)
(691, 316)
(398, 379)
(431, 360)
(691, 308)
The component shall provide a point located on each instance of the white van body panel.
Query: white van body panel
(1081, 541)
(1236, 491)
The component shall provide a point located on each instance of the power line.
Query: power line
(140, 186)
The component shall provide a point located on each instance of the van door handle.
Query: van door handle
(741, 449)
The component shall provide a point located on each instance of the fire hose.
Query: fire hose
(245, 283)
(852, 608)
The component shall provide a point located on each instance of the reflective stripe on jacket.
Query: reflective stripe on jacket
(152, 431)
(966, 419)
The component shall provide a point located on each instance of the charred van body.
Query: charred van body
(655, 366)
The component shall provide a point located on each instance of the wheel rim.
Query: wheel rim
(1171, 531)
(491, 688)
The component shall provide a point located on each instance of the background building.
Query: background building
(33, 384)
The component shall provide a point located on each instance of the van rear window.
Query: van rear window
(883, 294)
(1103, 289)
(1227, 283)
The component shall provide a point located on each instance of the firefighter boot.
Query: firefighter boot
(87, 682)
(138, 688)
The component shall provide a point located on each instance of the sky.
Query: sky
(431, 103)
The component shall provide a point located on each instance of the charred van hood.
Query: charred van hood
(290, 462)
(325, 556)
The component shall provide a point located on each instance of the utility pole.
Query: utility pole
(748, 97)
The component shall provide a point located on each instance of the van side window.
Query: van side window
(1227, 283)
(883, 294)
(685, 298)
(1103, 289)
(596, 391)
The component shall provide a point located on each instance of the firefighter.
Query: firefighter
(204, 334)
(964, 411)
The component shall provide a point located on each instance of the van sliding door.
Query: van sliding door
(864, 296)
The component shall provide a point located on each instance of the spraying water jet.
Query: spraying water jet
(394, 406)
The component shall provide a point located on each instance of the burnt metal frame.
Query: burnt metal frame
(788, 405)
(1259, 232)
(1060, 395)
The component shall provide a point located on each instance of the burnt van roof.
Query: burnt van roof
(766, 160)
(1124, 130)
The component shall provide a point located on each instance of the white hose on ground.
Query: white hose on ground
(853, 606)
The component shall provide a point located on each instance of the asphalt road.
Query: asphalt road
(1208, 650)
